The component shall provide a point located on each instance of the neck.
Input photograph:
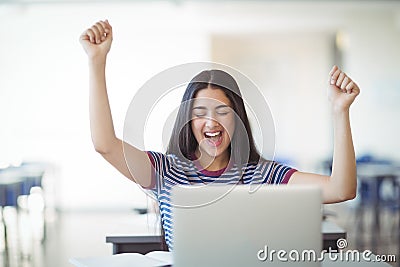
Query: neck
(210, 163)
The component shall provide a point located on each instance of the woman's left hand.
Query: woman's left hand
(342, 90)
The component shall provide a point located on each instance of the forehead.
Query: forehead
(211, 96)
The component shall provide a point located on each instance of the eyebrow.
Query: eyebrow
(217, 107)
(222, 106)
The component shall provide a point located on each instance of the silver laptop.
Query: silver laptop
(217, 225)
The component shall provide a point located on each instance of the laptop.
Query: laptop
(225, 225)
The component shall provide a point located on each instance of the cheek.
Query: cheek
(229, 126)
(196, 127)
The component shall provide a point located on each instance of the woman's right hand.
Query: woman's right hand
(96, 40)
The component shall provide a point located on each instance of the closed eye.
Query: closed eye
(199, 112)
(223, 110)
(199, 115)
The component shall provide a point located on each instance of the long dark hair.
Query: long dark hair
(182, 141)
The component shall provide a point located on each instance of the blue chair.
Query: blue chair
(33, 174)
(11, 181)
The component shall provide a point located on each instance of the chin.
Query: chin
(215, 153)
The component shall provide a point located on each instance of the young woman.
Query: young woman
(213, 142)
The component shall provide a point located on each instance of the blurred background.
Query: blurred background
(59, 198)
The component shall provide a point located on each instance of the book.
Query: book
(151, 259)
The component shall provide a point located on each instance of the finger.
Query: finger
(345, 82)
(350, 87)
(105, 26)
(355, 89)
(109, 27)
(84, 36)
(91, 35)
(334, 68)
(101, 30)
(340, 79)
(97, 35)
(108, 23)
(335, 75)
(104, 29)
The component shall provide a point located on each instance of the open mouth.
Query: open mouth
(214, 138)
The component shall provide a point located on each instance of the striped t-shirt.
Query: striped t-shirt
(169, 170)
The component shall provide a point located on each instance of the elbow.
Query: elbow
(342, 197)
(102, 146)
(346, 190)
(102, 150)
(349, 194)
(352, 192)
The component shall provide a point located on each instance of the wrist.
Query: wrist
(340, 112)
(97, 59)
(337, 109)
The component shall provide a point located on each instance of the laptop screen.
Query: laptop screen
(217, 225)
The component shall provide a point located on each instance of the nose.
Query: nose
(211, 122)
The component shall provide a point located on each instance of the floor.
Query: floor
(82, 234)
(67, 235)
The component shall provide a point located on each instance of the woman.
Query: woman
(212, 140)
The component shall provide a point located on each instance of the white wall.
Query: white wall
(373, 56)
(44, 88)
(290, 69)
(43, 76)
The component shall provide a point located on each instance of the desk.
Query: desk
(140, 244)
(139, 260)
(331, 232)
(146, 243)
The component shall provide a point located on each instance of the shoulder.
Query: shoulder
(263, 163)
(273, 172)
(171, 160)
(271, 163)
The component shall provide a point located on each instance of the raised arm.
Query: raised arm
(96, 42)
(342, 184)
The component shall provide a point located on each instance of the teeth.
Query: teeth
(212, 134)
